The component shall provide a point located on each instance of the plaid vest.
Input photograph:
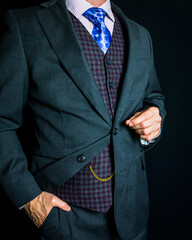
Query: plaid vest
(83, 189)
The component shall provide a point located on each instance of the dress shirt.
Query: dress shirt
(78, 7)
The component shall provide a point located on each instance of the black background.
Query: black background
(169, 163)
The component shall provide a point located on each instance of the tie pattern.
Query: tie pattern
(100, 33)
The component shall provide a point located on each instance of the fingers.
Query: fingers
(134, 116)
(54, 201)
(146, 123)
(39, 208)
(148, 130)
(57, 202)
(141, 118)
(150, 136)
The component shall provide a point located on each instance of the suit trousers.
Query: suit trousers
(82, 224)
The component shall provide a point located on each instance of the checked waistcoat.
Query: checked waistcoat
(83, 189)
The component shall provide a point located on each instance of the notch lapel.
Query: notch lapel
(59, 30)
(134, 49)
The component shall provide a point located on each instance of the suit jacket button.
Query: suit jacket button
(81, 158)
(115, 131)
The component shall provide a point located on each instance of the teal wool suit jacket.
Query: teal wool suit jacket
(44, 75)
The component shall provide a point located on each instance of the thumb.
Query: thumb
(57, 202)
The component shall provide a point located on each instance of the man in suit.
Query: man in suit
(84, 75)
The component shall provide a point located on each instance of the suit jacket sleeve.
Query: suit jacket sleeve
(153, 95)
(15, 177)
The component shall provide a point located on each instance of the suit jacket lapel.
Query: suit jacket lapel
(59, 30)
(134, 49)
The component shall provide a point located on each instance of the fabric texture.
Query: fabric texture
(84, 189)
(82, 224)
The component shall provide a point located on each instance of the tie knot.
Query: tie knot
(95, 15)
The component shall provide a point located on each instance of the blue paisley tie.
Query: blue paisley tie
(100, 33)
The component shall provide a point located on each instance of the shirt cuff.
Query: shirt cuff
(21, 207)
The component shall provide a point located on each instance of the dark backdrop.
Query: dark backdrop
(169, 162)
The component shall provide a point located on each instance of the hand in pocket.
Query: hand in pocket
(39, 208)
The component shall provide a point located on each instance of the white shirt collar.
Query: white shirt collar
(78, 7)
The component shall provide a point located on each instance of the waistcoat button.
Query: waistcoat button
(111, 84)
(109, 62)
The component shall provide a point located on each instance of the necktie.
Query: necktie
(100, 33)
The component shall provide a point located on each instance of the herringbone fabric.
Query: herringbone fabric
(83, 189)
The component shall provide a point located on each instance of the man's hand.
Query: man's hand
(146, 123)
(39, 208)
